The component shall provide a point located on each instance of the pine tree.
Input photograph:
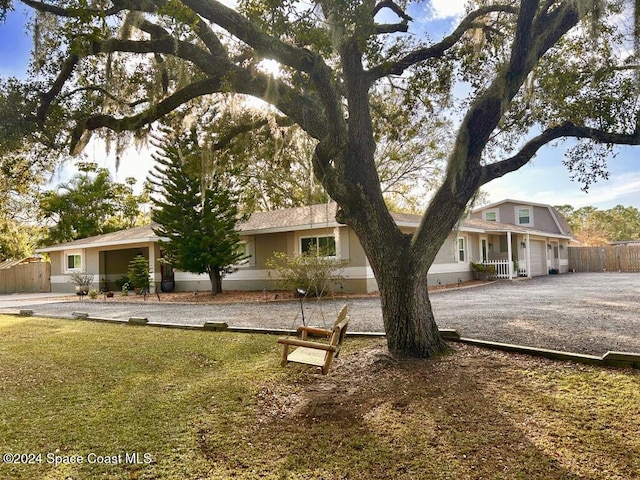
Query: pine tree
(138, 273)
(196, 209)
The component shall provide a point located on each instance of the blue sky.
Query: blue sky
(544, 180)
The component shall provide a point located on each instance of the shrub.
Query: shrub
(313, 272)
(121, 282)
(81, 278)
(139, 273)
(478, 267)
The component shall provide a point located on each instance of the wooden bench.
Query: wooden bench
(317, 354)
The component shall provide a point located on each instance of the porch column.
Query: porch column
(152, 268)
(528, 254)
(509, 255)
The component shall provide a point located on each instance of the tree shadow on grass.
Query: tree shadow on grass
(464, 416)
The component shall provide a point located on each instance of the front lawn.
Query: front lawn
(116, 401)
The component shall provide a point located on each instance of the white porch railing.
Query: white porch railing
(503, 268)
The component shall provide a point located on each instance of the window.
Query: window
(461, 250)
(246, 250)
(241, 249)
(524, 216)
(491, 216)
(74, 262)
(326, 245)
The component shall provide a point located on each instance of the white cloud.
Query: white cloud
(447, 8)
(551, 185)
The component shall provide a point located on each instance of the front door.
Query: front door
(555, 255)
(484, 250)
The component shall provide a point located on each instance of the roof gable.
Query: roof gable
(556, 217)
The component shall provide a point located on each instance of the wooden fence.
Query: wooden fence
(619, 258)
(26, 278)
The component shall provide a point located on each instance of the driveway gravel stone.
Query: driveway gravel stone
(580, 312)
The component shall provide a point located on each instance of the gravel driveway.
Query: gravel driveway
(583, 313)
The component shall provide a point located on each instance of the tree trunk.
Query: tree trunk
(409, 324)
(215, 277)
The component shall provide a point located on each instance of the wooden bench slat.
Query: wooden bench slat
(308, 356)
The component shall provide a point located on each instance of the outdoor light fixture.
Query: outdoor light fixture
(523, 245)
(301, 293)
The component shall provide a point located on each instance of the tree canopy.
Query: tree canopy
(516, 74)
(592, 226)
(91, 203)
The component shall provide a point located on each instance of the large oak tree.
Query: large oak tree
(519, 75)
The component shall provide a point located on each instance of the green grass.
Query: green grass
(218, 405)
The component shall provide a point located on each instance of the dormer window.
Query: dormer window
(491, 216)
(524, 216)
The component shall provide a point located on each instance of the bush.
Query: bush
(313, 272)
(139, 273)
(122, 281)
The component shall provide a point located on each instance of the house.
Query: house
(499, 233)
(534, 235)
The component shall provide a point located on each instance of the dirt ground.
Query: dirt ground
(243, 296)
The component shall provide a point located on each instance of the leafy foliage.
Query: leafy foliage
(91, 203)
(592, 226)
(16, 240)
(196, 208)
(313, 271)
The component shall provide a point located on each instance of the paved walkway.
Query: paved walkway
(582, 313)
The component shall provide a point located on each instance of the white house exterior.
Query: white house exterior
(492, 234)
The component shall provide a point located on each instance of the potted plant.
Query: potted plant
(490, 271)
(82, 281)
(480, 271)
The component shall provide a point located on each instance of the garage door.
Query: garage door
(538, 258)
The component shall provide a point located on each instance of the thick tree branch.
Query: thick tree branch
(265, 45)
(533, 38)
(153, 113)
(392, 28)
(65, 74)
(402, 26)
(567, 129)
(118, 6)
(209, 38)
(437, 50)
(303, 109)
(394, 7)
(300, 59)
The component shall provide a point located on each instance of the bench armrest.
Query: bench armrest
(303, 343)
(315, 331)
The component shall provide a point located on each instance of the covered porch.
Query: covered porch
(520, 253)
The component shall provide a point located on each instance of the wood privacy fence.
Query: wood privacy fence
(26, 278)
(618, 258)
